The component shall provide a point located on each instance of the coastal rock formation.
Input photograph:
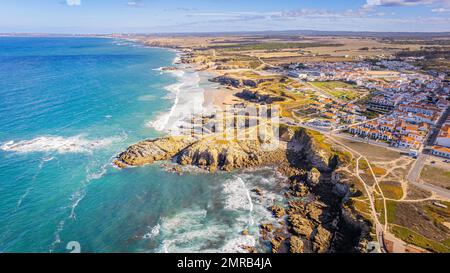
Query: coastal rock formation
(276, 243)
(255, 96)
(205, 153)
(149, 151)
(296, 244)
(321, 240)
(316, 219)
(230, 81)
(224, 80)
(227, 155)
(278, 211)
(300, 225)
(307, 144)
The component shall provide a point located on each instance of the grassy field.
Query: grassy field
(391, 207)
(378, 171)
(392, 190)
(414, 238)
(373, 153)
(270, 46)
(340, 90)
(436, 176)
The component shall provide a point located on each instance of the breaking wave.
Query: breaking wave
(188, 99)
(237, 195)
(59, 144)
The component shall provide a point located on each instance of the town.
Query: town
(386, 101)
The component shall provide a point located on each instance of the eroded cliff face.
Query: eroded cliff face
(207, 153)
(215, 155)
(150, 151)
(314, 224)
(315, 156)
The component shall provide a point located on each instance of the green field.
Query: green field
(340, 90)
(414, 238)
(271, 46)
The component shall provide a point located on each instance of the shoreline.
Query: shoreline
(311, 215)
(214, 96)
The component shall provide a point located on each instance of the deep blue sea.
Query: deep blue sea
(67, 107)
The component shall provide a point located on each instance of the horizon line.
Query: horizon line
(288, 31)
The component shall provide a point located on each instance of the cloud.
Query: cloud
(440, 10)
(402, 3)
(135, 3)
(73, 2)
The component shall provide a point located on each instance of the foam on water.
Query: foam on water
(220, 230)
(59, 144)
(192, 231)
(28, 190)
(153, 232)
(188, 99)
(237, 195)
(92, 173)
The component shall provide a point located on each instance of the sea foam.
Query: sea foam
(188, 100)
(237, 195)
(59, 144)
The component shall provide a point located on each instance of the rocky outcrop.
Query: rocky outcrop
(235, 82)
(316, 220)
(313, 177)
(296, 245)
(225, 80)
(278, 211)
(205, 153)
(149, 151)
(276, 243)
(321, 240)
(316, 153)
(300, 225)
(257, 97)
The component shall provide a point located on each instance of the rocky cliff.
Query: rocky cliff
(206, 153)
(318, 225)
(238, 82)
(149, 151)
(257, 97)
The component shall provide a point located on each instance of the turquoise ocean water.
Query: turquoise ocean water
(67, 107)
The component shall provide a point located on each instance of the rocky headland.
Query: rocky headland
(315, 218)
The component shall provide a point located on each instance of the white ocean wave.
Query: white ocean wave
(191, 231)
(236, 244)
(188, 101)
(59, 144)
(153, 232)
(237, 195)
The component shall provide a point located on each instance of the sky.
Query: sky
(163, 16)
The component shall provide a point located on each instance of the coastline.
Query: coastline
(192, 94)
(310, 216)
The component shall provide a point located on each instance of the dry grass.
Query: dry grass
(436, 176)
(391, 189)
(378, 171)
(373, 153)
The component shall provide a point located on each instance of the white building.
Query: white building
(441, 151)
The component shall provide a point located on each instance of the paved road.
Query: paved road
(416, 169)
(432, 138)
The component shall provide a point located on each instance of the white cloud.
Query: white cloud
(73, 2)
(393, 3)
(440, 10)
(135, 3)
